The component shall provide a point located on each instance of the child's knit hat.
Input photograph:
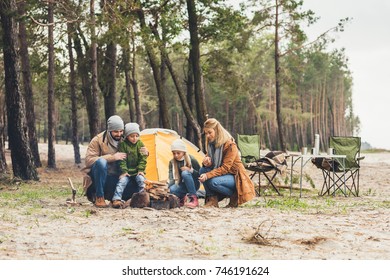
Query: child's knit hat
(178, 145)
(131, 128)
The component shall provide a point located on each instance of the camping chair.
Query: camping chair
(336, 176)
(249, 146)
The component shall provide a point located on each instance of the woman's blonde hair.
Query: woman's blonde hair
(221, 134)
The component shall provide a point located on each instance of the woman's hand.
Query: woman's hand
(184, 168)
(207, 161)
(202, 177)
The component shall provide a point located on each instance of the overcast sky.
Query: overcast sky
(367, 43)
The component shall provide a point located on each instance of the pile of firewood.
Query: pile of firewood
(156, 195)
(157, 190)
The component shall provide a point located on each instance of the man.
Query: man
(101, 171)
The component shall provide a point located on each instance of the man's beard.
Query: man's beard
(116, 138)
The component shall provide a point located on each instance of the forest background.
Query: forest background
(69, 65)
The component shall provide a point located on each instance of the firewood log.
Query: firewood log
(140, 200)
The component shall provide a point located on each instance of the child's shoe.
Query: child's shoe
(192, 201)
(117, 204)
(183, 201)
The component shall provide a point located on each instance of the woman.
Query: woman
(223, 174)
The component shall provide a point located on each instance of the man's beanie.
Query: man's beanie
(115, 123)
(131, 128)
(178, 145)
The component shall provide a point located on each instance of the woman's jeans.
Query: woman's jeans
(188, 185)
(137, 180)
(104, 184)
(224, 185)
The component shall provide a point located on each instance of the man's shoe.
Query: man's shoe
(192, 201)
(117, 204)
(100, 202)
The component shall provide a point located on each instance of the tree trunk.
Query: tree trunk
(3, 162)
(73, 97)
(127, 70)
(107, 73)
(22, 160)
(190, 100)
(27, 85)
(226, 111)
(186, 109)
(83, 70)
(277, 83)
(93, 103)
(163, 58)
(252, 126)
(164, 116)
(51, 157)
(200, 99)
(134, 83)
(107, 81)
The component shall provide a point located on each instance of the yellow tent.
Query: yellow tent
(158, 141)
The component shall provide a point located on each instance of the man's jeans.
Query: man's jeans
(137, 180)
(188, 185)
(103, 184)
(224, 185)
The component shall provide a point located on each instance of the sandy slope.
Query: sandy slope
(329, 228)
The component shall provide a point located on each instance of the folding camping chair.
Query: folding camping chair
(342, 175)
(249, 146)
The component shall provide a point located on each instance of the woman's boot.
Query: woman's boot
(211, 201)
(233, 203)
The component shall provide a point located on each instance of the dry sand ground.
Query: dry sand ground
(326, 228)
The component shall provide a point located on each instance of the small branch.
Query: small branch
(309, 43)
(51, 24)
(73, 191)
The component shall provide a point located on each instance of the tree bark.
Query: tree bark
(127, 70)
(22, 160)
(107, 65)
(277, 83)
(73, 97)
(164, 116)
(3, 162)
(27, 86)
(84, 70)
(93, 103)
(134, 83)
(107, 80)
(186, 109)
(51, 160)
(200, 99)
(190, 100)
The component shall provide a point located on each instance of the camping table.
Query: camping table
(304, 160)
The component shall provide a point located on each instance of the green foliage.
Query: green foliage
(88, 213)
(237, 60)
(29, 194)
(309, 180)
(291, 203)
(375, 150)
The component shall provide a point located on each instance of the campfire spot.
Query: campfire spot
(312, 242)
